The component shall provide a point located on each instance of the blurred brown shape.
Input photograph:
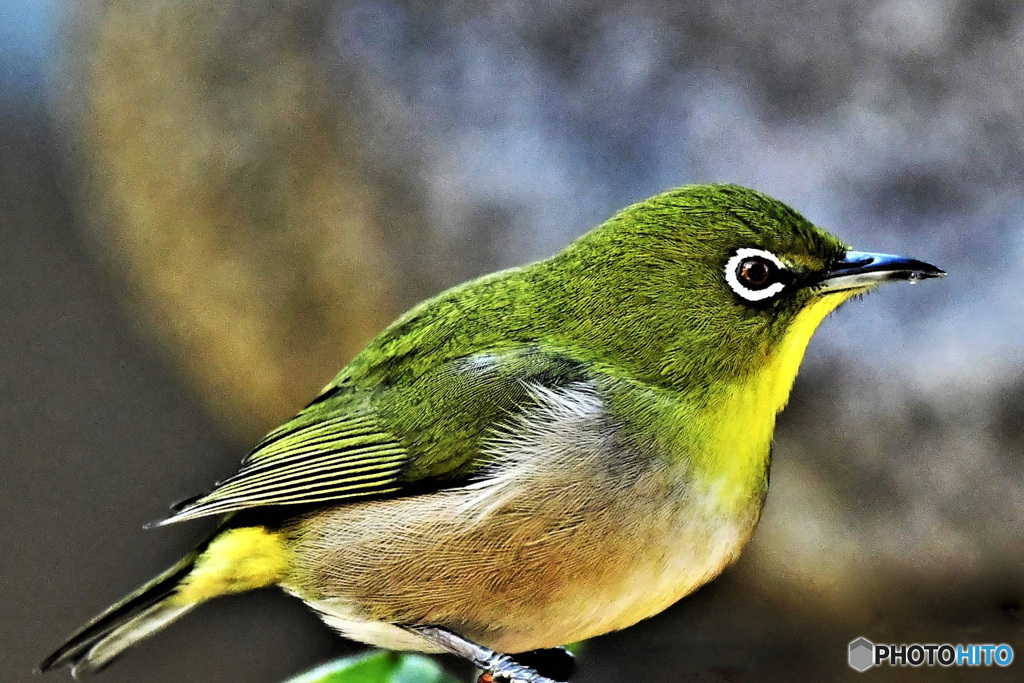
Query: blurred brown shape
(232, 197)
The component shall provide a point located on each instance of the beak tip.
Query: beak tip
(925, 273)
(861, 269)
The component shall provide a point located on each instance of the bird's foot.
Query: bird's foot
(510, 671)
(497, 668)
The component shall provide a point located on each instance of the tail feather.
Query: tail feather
(138, 615)
(105, 650)
(231, 560)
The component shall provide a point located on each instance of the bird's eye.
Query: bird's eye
(755, 274)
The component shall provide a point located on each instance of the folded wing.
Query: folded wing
(356, 443)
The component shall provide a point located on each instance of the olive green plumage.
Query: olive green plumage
(425, 394)
(546, 453)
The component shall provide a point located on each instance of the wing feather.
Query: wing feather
(341, 457)
(373, 441)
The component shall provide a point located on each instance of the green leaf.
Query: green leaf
(378, 667)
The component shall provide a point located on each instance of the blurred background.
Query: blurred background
(206, 208)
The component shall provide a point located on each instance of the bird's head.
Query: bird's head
(710, 283)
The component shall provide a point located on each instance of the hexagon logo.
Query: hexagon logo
(862, 654)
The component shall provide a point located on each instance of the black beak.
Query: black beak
(860, 270)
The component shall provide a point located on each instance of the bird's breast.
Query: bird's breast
(573, 533)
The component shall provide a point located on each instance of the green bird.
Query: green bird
(538, 456)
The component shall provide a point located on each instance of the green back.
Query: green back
(641, 299)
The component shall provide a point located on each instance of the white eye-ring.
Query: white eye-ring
(755, 274)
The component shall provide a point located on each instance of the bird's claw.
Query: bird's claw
(507, 670)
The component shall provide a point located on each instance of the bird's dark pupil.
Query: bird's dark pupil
(755, 273)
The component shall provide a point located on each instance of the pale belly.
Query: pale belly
(569, 538)
(510, 581)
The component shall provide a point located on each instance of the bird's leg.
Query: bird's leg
(502, 668)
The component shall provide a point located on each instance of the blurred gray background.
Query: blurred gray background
(206, 208)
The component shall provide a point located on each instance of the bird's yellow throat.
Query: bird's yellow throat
(774, 381)
(741, 433)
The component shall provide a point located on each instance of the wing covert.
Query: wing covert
(357, 443)
(343, 456)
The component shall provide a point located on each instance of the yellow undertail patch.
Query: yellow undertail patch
(238, 560)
